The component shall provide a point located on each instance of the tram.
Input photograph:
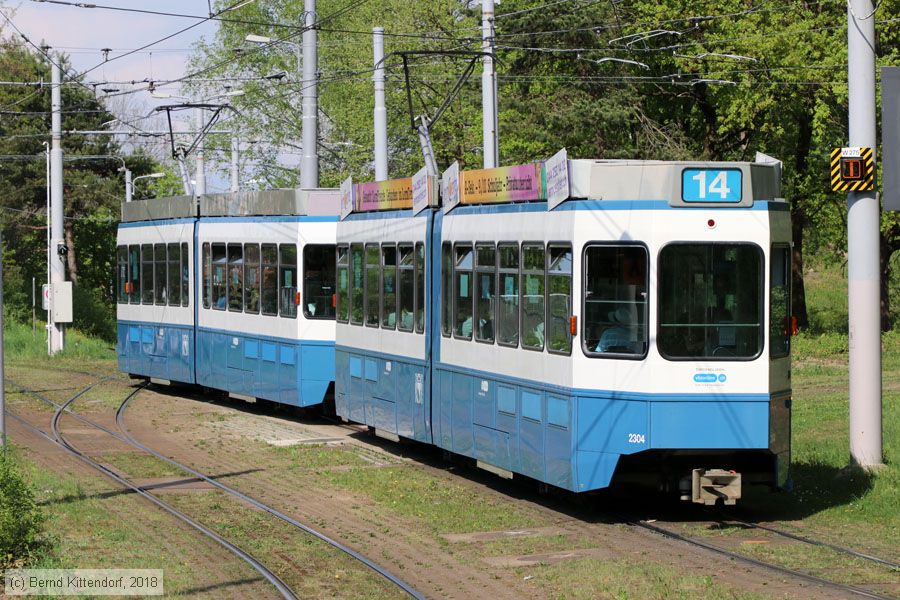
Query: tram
(575, 321)
(258, 321)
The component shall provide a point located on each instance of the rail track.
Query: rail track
(125, 437)
(736, 556)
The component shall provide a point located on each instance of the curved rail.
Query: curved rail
(120, 421)
(127, 438)
(757, 563)
(58, 439)
(815, 542)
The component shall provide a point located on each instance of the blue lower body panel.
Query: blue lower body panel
(385, 392)
(156, 350)
(294, 372)
(574, 440)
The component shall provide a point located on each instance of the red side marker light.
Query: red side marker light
(297, 298)
(334, 301)
(573, 325)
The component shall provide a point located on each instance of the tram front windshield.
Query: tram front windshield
(710, 301)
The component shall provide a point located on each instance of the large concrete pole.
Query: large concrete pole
(309, 163)
(57, 241)
(381, 138)
(863, 223)
(489, 87)
(235, 169)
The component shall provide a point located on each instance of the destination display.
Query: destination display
(516, 183)
(392, 194)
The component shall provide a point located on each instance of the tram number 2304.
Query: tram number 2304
(637, 438)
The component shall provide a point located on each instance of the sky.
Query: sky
(82, 33)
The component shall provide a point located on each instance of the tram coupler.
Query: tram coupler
(708, 486)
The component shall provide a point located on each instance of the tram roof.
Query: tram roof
(288, 201)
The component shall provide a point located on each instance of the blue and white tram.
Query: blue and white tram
(155, 289)
(265, 319)
(258, 322)
(638, 328)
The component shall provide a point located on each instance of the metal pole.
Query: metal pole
(427, 150)
(309, 164)
(200, 178)
(33, 307)
(2, 374)
(57, 241)
(863, 224)
(489, 87)
(129, 186)
(381, 139)
(47, 325)
(235, 172)
(185, 177)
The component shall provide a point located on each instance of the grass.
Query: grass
(440, 505)
(87, 534)
(20, 344)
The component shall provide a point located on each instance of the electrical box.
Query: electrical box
(61, 299)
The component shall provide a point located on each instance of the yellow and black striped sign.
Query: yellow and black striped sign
(852, 170)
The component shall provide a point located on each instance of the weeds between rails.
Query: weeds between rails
(126, 438)
(58, 439)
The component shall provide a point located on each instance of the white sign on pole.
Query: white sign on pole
(557, 170)
(450, 187)
(45, 296)
(423, 191)
(346, 197)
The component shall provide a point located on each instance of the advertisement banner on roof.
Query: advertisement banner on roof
(450, 187)
(423, 191)
(515, 183)
(392, 194)
(556, 169)
(347, 189)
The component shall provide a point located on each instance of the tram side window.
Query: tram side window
(122, 274)
(406, 287)
(462, 288)
(446, 289)
(420, 287)
(485, 281)
(219, 266)
(251, 278)
(287, 275)
(780, 301)
(318, 281)
(533, 279)
(615, 300)
(389, 286)
(357, 285)
(508, 296)
(343, 283)
(134, 274)
(269, 279)
(185, 275)
(373, 284)
(147, 273)
(235, 287)
(159, 273)
(207, 282)
(174, 276)
(559, 299)
(710, 301)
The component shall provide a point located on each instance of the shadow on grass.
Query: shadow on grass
(149, 488)
(817, 487)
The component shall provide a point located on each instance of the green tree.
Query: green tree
(93, 186)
